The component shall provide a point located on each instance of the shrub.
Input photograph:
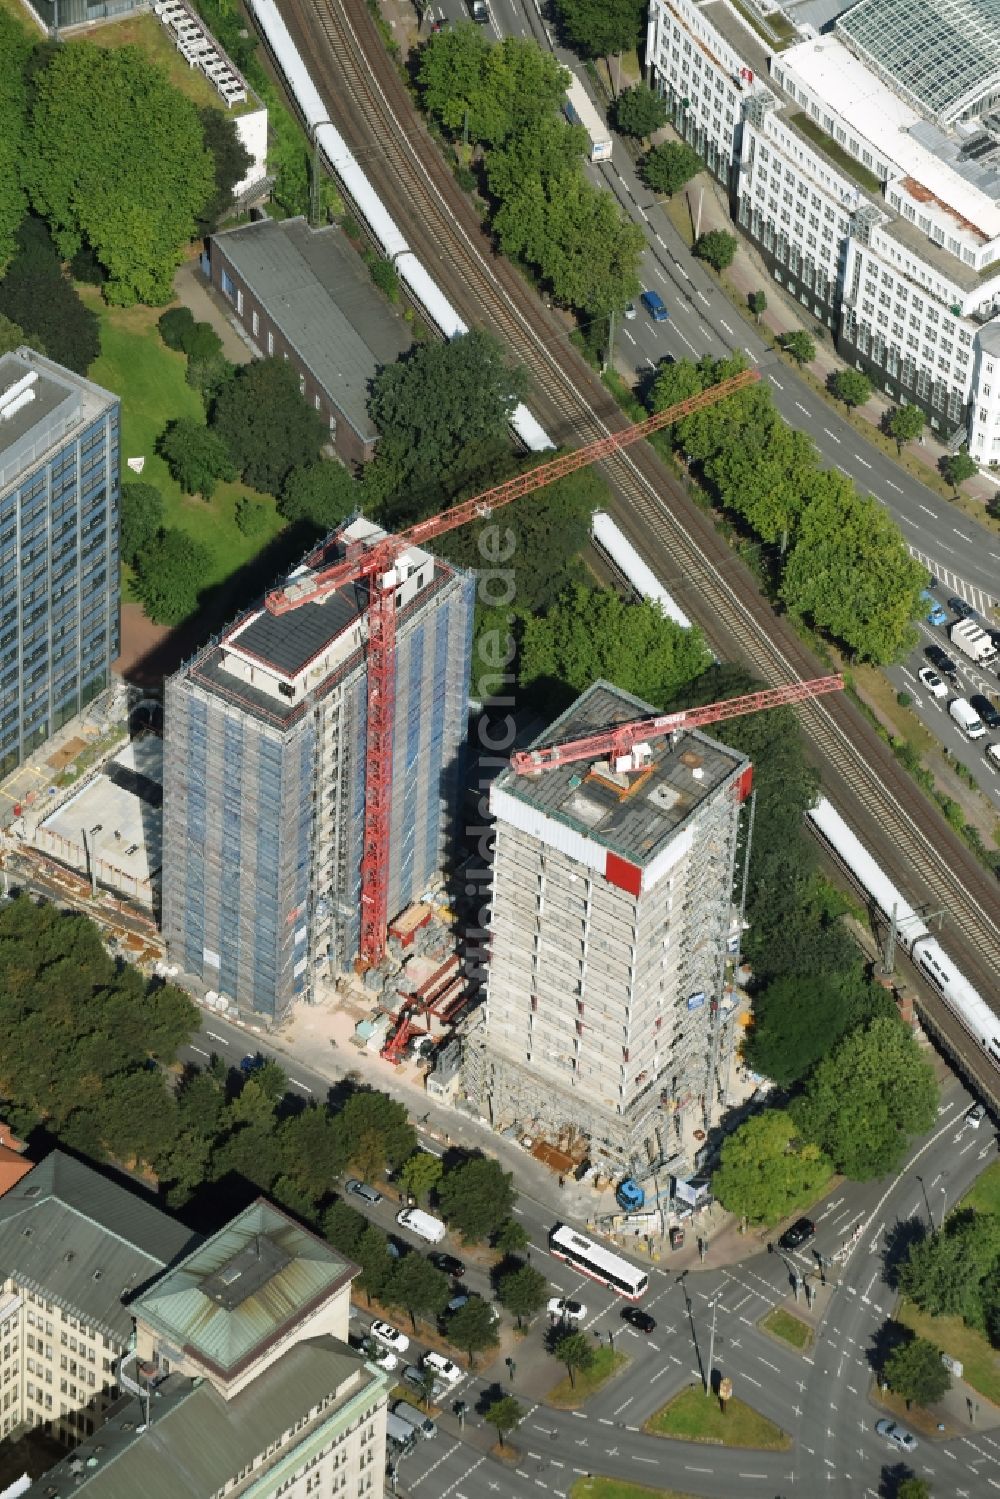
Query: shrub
(175, 326)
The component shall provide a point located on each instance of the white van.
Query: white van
(423, 1224)
(993, 755)
(968, 720)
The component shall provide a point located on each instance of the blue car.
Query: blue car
(655, 306)
(251, 1064)
(936, 612)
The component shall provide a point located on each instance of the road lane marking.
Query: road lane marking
(832, 435)
(661, 241)
(629, 336)
(961, 534)
(802, 408)
(863, 461)
(927, 511)
(725, 325)
(199, 1051)
(296, 1084)
(894, 486)
(775, 382)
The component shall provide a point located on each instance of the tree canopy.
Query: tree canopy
(668, 167)
(231, 161)
(266, 423)
(116, 158)
(43, 302)
(169, 576)
(954, 1273)
(766, 1170)
(600, 28)
(799, 1018)
(473, 1327)
(717, 247)
(321, 494)
(903, 424)
(915, 1371)
(865, 1100)
(141, 518)
(850, 386)
(15, 49)
(957, 467)
(639, 111)
(592, 633)
(801, 347)
(523, 1291)
(502, 89)
(475, 1197)
(196, 456)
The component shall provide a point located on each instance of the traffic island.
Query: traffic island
(617, 1488)
(693, 1416)
(788, 1328)
(568, 1394)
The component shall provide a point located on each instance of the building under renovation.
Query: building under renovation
(611, 917)
(264, 779)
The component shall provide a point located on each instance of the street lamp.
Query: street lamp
(511, 1368)
(944, 1203)
(711, 1346)
(460, 1409)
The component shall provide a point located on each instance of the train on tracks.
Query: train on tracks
(369, 206)
(972, 1011)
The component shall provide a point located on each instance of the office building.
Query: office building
(59, 589)
(74, 1248)
(611, 912)
(864, 164)
(304, 295)
(264, 779)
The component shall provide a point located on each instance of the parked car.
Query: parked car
(800, 1233)
(930, 679)
(443, 1367)
(941, 660)
(251, 1064)
(385, 1359)
(630, 311)
(896, 1434)
(637, 1318)
(450, 1264)
(568, 1311)
(961, 608)
(986, 710)
(937, 614)
(416, 1378)
(362, 1190)
(975, 1116)
(391, 1337)
(655, 306)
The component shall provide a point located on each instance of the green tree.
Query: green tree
(757, 302)
(371, 1250)
(850, 386)
(251, 517)
(38, 297)
(421, 1174)
(576, 1351)
(175, 327)
(717, 248)
(668, 167)
(266, 423)
(849, 571)
(799, 1018)
(505, 1415)
(765, 1170)
(866, 1099)
(343, 1227)
(196, 456)
(903, 424)
(912, 1487)
(511, 1237)
(957, 467)
(320, 494)
(15, 49)
(600, 28)
(106, 115)
(12, 336)
(493, 91)
(523, 1292)
(592, 633)
(475, 1197)
(639, 111)
(801, 347)
(473, 1327)
(416, 1285)
(952, 1273)
(231, 161)
(442, 402)
(309, 1151)
(915, 1371)
(208, 374)
(169, 575)
(762, 476)
(141, 519)
(369, 1112)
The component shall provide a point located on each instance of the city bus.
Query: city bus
(580, 111)
(597, 1262)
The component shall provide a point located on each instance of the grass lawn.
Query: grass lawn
(146, 32)
(984, 1194)
(616, 1488)
(588, 1381)
(982, 1363)
(788, 1327)
(694, 1416)
(149, 377)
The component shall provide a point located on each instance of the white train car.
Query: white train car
(620, 552)
(339, 158)
(962, 998)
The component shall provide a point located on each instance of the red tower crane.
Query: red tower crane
(375, 567)
(617, 744)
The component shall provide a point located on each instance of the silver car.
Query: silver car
(897, 1435)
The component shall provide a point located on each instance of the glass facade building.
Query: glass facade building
(59, 517)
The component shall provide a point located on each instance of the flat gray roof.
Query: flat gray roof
(639, 817)
(317, 291)
(84, 1241)
(61, 401)
(196, 1442)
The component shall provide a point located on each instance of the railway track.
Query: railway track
(372, 110)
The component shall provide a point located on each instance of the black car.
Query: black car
(987, 712)
(637, 1318)
(961, 608)
(447, 1263)
(941, 660)
(800, 1233)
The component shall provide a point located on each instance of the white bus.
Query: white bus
(580, 111)
(597, 1262)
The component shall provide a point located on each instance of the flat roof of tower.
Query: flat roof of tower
(635, 820)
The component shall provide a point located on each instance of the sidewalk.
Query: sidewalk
(783, 314)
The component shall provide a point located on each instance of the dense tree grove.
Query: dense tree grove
(766, 1170)
(169, 575)
(956, 1272)
(40, 299)
(15, 50)
(842, 562)
(266, 424)
(601, 28)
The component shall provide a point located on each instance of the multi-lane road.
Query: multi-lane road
(821, 1398)
(964, 555)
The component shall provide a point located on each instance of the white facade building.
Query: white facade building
(878, 209)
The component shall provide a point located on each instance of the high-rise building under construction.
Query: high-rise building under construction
(264, 778)
(612, 914)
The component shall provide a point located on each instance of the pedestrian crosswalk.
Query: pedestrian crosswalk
(977, 597)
